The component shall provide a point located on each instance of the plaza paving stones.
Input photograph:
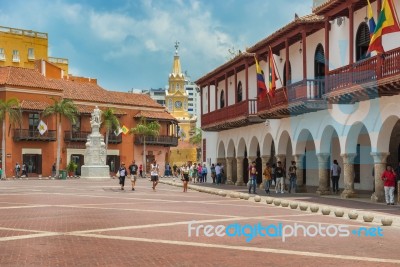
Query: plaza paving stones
(93, 223)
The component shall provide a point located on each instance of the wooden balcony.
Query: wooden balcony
(295, 99)
(75, 136)
(241, 114)
(161, 140)
(367, 79)
(34, 135)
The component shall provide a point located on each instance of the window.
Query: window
(31, 54)
(190, 93)
(239, 92)
(15, 57)
(33, 123)
(189, 88)
(190, 99)
(190, 105)
(222, 100)
(2, 55)
(362, 41)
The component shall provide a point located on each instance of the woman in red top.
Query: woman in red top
(389, 178)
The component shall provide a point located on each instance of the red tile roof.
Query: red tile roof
(161, 115)
(84, 109)
(24, 77)
(16, 76)
(33, 105)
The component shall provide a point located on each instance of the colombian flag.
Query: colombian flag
(371, 20)
(125, 129)
(261, 87)
(272, 74)
(387, 23)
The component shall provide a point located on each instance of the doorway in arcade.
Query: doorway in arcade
(113, 162)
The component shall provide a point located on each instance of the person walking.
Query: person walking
(267, 178)
(174, 168)
(154, 173)
(200, 173)
(273, 168)
(218, 173)
(335, 175)
(17, 169)
(185, 177)
(292, 177)
(213, 174)
(24, 169)
(204, 173)
(53, 170)
(280, 178)
(389, 178)
(141, 170)
(122, 174)
(133, 168)
(253, 177)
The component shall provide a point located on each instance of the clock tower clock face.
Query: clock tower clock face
(178, 104)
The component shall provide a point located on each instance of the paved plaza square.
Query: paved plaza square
(93, 223)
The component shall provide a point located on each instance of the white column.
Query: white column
(229, 161)
(301, 187)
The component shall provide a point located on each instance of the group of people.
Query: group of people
(191, 172)
(20, 171)
(134, 171)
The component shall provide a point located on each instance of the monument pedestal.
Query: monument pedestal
(95, 171)
(95, 154)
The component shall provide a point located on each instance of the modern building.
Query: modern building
(157, 95)
(20, 48)
(333, 102)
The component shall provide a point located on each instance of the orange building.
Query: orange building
(34, 88)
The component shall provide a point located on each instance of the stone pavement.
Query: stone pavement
(93, 223)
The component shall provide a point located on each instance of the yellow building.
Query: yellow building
(176, 100)
(22, 48)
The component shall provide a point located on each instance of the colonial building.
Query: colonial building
(34, 89)
(333, 101)
(20, 48)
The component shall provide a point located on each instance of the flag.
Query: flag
(387, 23)
(272, 74)
(118, 131)
(125, 129)
(371, 20)
(42, 127)
(261, 87)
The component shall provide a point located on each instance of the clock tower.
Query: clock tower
(176, 99)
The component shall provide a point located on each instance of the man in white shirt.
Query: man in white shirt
(154, 172)
(335, 174)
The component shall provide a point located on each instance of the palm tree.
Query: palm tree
(61, 108)
(110, 122)
(196, 139)
(144, 129)
(11, 109)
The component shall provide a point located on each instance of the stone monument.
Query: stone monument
(95, 154)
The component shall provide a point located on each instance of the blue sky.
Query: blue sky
(129, 44)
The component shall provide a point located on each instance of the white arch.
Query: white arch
(253, 147)
(352, 137)
(300, 142)
(267, 144)
(221, 150)
(241, 148)
(326, 139)
(382, 142)
(283, 142)
(230, 152)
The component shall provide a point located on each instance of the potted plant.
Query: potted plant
(71, 168)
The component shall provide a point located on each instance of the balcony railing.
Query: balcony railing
(75, 136)
(242, 109)
(34, 135)
(161, 140)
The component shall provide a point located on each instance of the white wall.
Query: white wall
(312, 42)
